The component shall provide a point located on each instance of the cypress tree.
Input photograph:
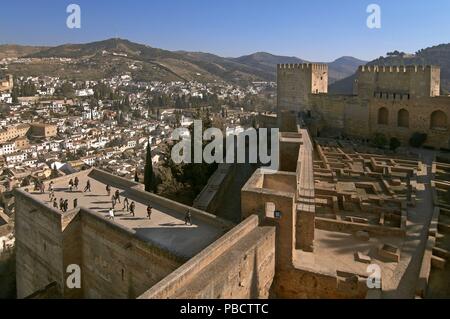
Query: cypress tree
(148, 171)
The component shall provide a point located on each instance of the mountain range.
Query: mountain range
(108, 58)
(111, 57)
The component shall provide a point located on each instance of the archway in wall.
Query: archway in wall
(383, 116)
(403, 118)
(438, 120)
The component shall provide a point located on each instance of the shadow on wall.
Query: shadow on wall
(8, 275)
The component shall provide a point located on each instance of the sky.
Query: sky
(319, 30)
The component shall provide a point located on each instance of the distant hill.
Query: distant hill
(343, 67)
(437, 55)
(338, 69)
(106, 58)
(266, 62)
(15, 51)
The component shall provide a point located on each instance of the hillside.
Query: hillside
(14, 51)
(106, 58)
(437, 55)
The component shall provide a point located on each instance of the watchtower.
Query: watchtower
(297, 81)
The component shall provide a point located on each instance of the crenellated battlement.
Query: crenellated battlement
(414, 80)
(304, 66)
(397, 69)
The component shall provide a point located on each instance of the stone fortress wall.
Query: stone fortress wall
(395, 101)
(119, 262)
(407, 81)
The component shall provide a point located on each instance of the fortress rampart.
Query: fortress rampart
(412, 81)
(125, 257)
(397, 101)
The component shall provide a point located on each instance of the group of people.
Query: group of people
(73, 184)
(130, 208)
(64, 204)
(39, 187)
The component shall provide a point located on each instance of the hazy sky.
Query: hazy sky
(319, 30)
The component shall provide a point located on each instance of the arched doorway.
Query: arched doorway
(438, 120)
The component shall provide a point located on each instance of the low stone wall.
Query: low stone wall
(298, 283)
(255, 257)
(180, 208)
(350, 228)
(425, 269)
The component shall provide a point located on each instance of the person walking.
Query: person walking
(55, 203)
(132, 207)
(61, 204)
(126, 204)
(66, 205)
(111, 213)
(188, 218)
(113, 201)
(75, 203)
(71, 185)
(108, 190)
(88, 186)
(149, 212)
(76, 182)
(118, 196)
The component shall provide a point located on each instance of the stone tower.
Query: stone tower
(398, 82)
(297, 81)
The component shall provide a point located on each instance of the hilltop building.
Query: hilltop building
(396, 101)
(7, 84)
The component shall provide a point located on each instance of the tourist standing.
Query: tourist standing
(188, 218)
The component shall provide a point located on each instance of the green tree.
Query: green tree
(67, 90)
(394, 143)
(380, 140)
(149, 177)
(418, 139)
